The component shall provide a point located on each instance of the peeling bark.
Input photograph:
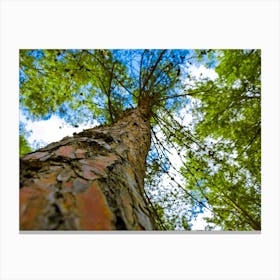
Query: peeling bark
(91, 181)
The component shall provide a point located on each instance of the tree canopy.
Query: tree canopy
(228, 126)
(210, 163)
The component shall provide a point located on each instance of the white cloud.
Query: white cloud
(202, 71)
(51, 130)
(199, 223)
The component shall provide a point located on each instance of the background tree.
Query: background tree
(23, 143)
(95, 180)
(224, 168)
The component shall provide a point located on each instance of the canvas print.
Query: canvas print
(140, 140)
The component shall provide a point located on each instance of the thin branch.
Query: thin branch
(153, 69)
(108, 70)
(185, 94)
(140, 72)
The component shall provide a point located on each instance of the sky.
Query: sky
(44, 132)
(51, 130)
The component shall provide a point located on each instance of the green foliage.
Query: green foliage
(97, 83)
(226, 166)
(162, 221)
(24, 147)
(53, 78)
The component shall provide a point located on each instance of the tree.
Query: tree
(24, 147)
(108, 177)
(228, 128)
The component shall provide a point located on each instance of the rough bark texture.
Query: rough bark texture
(91, 181)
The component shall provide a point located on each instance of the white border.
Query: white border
(116, 24)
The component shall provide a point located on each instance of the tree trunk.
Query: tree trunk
(91, 181)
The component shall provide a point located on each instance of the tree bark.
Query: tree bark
(91, 181)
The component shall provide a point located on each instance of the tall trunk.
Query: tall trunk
(91, 181)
